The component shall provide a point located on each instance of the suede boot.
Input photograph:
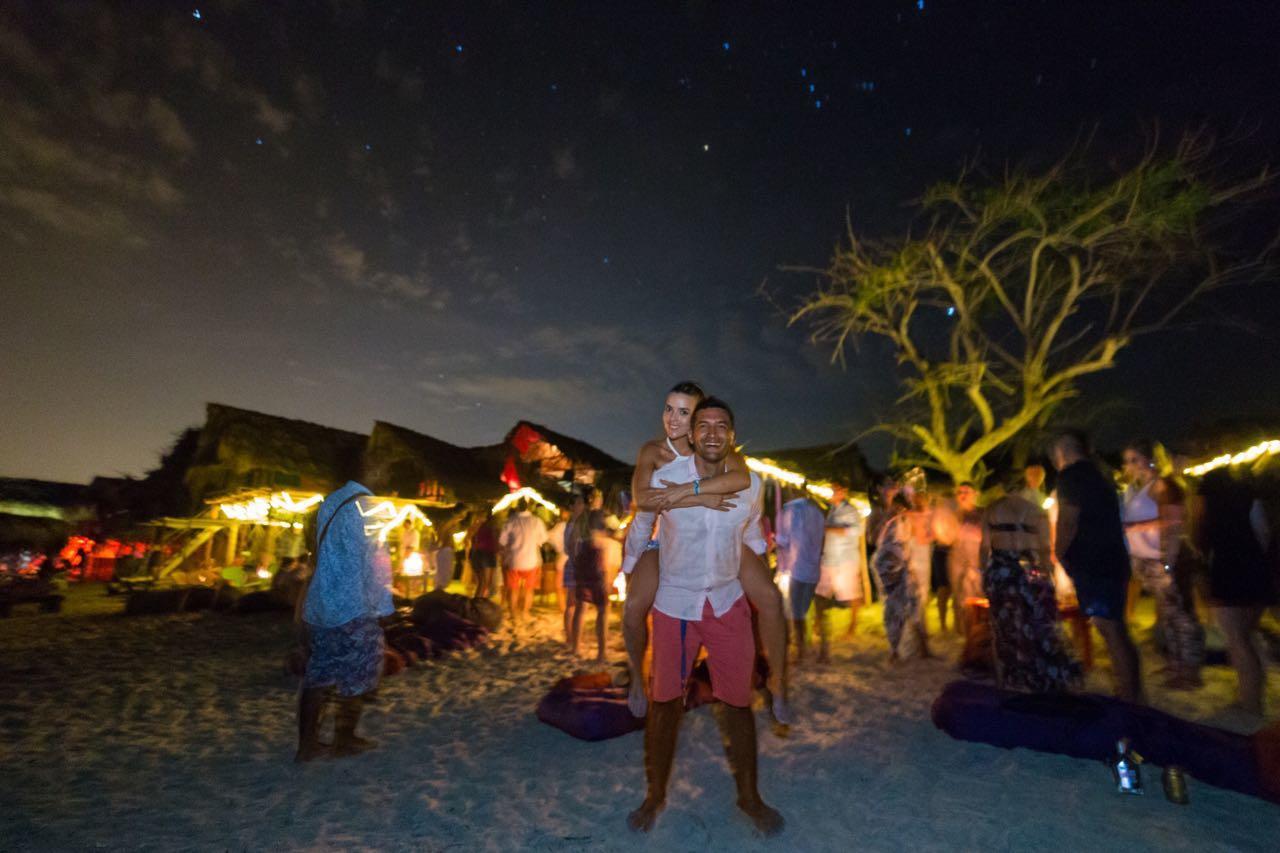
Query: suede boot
(661, 734)
(310, 706)
(345, 740)
(738, 730)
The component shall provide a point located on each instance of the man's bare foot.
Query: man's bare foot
(641, 820)
(767, 821)
(637, 701)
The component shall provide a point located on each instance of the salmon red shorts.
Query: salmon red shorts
(731, 653)
(517, 578)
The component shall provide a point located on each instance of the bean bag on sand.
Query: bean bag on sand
(1088, 726)
(588, 707)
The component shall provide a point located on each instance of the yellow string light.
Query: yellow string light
(793, 478)
(386, 518)
(526, 492)
(1244, 457)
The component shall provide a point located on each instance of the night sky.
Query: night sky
(454, 215)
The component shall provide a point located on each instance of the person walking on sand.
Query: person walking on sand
(903, 612)
(1089, 543)
(585, 533)
(521, 540)
(700, 602)
(843, 568)
(801, 528)
(349, 592)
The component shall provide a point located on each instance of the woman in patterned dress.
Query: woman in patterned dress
(903, 617)
(1018, 582)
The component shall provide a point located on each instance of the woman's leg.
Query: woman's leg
(765, 596)
(575, 624)
(1238, 624)
(642, 588)
(602, 630)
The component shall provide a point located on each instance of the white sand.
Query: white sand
(177, 733)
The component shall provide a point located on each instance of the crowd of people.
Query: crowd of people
(696, 552)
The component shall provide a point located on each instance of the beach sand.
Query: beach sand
(177, 733)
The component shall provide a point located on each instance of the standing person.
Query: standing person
(349, 591)
(1018, 581)
(1231, 530)
(801, 529)
(903, 616)
(887, 487)
(1153, 527)
(577, 507)
(964, 566)
(556, 538)
(844, 556)
(588, 570)
(1032, 489)
(1089, 542)
(655, 494)
(946, 524)
(700, 602)
(521, 540)
(920, 549)
(484, 556)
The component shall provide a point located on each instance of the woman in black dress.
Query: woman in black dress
(1231, 532)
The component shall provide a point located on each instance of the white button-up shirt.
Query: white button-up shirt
(700, 549)
(522, 539)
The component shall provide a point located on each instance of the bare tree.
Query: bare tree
(1021, 286)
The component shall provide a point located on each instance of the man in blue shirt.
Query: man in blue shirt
(801, 527)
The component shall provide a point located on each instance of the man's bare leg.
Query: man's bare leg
(661, 734)
(765, 596)
(820, 608)
(642, 589)
(798, 631)
(738, 730)
(1124, 658)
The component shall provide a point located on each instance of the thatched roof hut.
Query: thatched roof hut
(399, 461)
(239, 449)
(539, 453)
(42, 513)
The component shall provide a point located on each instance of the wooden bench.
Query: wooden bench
(47, 602)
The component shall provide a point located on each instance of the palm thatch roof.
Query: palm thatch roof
(45, 498)
(550, 455)
(840, 463)
(239, 448)
(399, 461)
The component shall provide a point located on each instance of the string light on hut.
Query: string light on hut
(386, 518)
(793, 478)
(1244, 457)
(527, 492)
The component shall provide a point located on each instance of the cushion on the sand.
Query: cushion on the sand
(479, 611)
(1088, 726)
(588, 707)
(409, 642)
(180, 599)
(262, 601)
(450, 632)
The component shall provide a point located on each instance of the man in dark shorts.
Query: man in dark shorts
(1089, 542)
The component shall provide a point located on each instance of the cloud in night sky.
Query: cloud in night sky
(326, 211)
